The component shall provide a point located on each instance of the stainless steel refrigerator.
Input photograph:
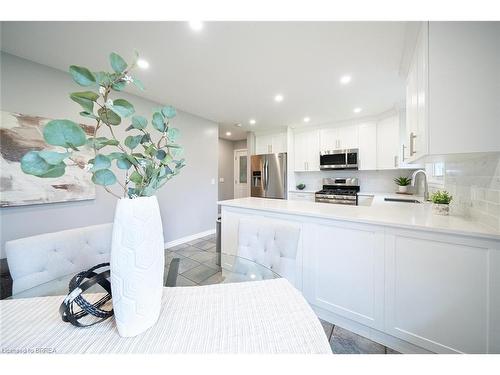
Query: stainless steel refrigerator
(269, 176)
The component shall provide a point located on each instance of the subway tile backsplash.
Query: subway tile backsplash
(474, 182)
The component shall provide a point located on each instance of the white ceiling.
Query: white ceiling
(229, 72)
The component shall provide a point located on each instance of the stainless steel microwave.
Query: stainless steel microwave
(339, 159)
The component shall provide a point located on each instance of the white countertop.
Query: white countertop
(401, 215)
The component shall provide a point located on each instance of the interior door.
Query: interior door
(240, 174)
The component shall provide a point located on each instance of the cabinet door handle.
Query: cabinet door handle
(395, 161)
(412, 143)
(403, 153)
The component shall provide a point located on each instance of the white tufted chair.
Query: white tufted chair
(272, 244)
(38, 259)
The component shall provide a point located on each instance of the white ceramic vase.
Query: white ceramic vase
(441, 209)
(137, 265)
(403, 189)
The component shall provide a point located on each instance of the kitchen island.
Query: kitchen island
(392, 272)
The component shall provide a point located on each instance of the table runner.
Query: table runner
(268, 316)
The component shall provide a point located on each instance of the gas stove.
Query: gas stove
(339, 191)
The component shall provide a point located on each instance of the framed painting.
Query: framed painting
(20, 133)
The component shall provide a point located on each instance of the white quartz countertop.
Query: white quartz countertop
(395, 214)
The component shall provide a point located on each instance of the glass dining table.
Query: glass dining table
(227, 269)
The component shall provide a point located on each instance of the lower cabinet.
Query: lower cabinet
(440, 292)
(412, 290)
(344, 271)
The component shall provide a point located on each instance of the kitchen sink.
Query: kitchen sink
(403, 200)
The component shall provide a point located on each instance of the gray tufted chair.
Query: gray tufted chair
(272, 244)
(39, 259)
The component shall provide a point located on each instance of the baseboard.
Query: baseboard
(192, 237)
(370, 333)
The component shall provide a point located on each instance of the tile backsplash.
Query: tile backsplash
(369, 181)
(474, 182)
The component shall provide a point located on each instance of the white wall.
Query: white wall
(187, 202)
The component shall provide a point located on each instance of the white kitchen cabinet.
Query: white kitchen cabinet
(270, 143)
(306, 151)
(439, 292)
(348, 137)
(414, 290)
(388, 143)
(301, 196)
(344, 271)
(336, 138)
(367, 156)
(452, 90)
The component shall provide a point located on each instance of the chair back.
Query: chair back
(272, 244)
(39, 259)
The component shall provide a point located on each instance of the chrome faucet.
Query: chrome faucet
(426, 185)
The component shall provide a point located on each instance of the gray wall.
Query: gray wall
(226, 166)
(226, 169)
(187, 202)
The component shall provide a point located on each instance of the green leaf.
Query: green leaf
(33, 164)
(158, 123)
(169, 112)
(146, 138)
(117, 63)
(132, 159)
(101, 142)
(89, 115)
(123, 163)
(160, 154)
(64, 133)
(173, 134)
(119, 86)
(82, 75)
(138, 83)
(86, 103)
(56, 171)
(133, 141)
(89, 95)
(103, 78)
(167, 159)
(109, 117)
(52, 157)
(135, 177)
(150, 150)
(101, 162)
(139, 122)
(122, 107)
(104, 177)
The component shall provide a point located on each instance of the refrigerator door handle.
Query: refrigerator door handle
(266, 174)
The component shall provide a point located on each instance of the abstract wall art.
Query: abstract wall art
(20, 133)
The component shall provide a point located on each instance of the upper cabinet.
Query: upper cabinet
(452, 90)
(367, 154)
(388, 143)
(306, 151)
(270, 143)
(339, 138)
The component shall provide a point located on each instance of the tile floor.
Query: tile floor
(197, 267)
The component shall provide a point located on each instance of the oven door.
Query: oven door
(334, 160)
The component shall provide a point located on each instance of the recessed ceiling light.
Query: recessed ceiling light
(345, 79)
(357, 110)
(196, 25)
(252, 121)
(307, 119)
(228, 134)
(143, 64)
(278, 98)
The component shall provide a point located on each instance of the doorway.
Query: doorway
(240, 173)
